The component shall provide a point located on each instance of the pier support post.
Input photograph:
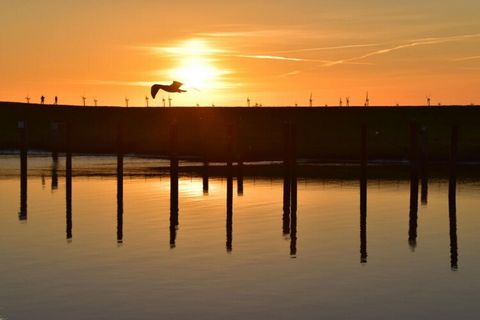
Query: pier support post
(240, 178)
(173, 184)
(229, 220)
(205, 178)
(23, 144)
(68, 179)
(413, 215)
(452, 199)
(120, 153)
(363, 195)
(290, 186)
(424, 166)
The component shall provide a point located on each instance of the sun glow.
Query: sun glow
(197, 65)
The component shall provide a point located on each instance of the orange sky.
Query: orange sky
(275, 52)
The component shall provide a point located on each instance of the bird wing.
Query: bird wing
(176, 85)
(154, 90)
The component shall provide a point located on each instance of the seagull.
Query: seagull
(174, 87)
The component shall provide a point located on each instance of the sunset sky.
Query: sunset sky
(275, 52)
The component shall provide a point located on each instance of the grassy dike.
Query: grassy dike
(328, 134)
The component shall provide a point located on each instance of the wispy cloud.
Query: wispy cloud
(349, 46)
(467, 58)
(267, 57)
(289, 74)
(414, 43)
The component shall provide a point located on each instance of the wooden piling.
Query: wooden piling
(174, 221)
(23, 145)
(68, 180)
(205, 178)
(363, 195)
(120, 154)
(229, 219)
(240, 178)
(452, 198)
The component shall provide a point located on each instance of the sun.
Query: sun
(197, 64)
(197, 73)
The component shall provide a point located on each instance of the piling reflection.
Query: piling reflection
(54, 185)
(22, 215)
(363, 195)
(289, 221)
(293, 216)
(240, 178)
(68, 195)
(413, 216)
(452, 200)
(414, 169)
(205, 181)
(424, 166)
(68, 180)
(120, 198)
(452, 214)
(173, 201)
(22, 127)
(173, 185)
(229, 220)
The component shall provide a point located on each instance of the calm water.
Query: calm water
(103, 257)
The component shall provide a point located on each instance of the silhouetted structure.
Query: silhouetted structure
(56, 100)
(68, 180)
(240, 178)
(54, 185)
(424, 165)
(42, 100)
(120, 184)
(173, 184)
(229, 222)
(413, 216)
(452, 199)
(363, 195)
(23, 144)
(290, 187)
(205, 178)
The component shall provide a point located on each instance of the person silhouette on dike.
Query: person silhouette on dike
(56, 100)
(42, 99)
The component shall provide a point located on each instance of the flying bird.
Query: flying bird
(174, 87)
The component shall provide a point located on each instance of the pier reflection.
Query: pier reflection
(229, 220)
(413, 214)
(68, 181)
(289, 172)
(363, 219)
(174, 222)
(120, 198)
(414, 173)
(22, 215)
(289, 220)
(452, 200)
(363, 195)
(240, 178)
(205, 182)
(22, 127)
(54, 185)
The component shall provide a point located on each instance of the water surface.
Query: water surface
(95, 255)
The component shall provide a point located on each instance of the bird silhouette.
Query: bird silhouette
(174, 87)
